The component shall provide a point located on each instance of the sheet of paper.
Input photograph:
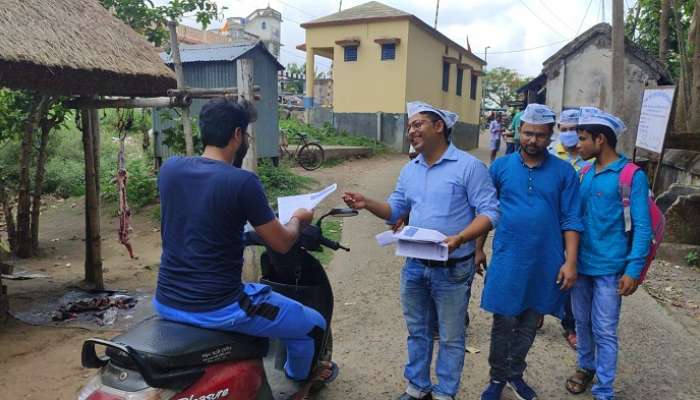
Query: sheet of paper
(386, 238)
(425, 250)
(287, 205)
(416, 234)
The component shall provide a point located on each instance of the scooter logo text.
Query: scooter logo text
(211, 396)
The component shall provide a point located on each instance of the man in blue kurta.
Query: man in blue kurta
(448, 190)
(534, 249)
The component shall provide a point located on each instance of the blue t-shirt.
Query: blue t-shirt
(204, 205)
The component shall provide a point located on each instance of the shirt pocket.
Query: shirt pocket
(442, 199)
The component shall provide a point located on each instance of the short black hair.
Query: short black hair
(434, 117)
(596, 130)
(218, 120)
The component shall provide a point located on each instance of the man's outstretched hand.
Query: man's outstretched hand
(354, 200)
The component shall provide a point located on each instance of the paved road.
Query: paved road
(659, 358)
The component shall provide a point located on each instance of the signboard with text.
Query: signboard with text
(653, 119)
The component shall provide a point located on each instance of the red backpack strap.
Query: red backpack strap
(583, 171)
(625, 188)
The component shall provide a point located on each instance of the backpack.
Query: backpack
(658, 221)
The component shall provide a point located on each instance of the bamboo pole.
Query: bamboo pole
(180, 76)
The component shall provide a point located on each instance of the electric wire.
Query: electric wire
(541, 19)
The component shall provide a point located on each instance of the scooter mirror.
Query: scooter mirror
(342, 212)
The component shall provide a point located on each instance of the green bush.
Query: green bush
(65, 178)
(281, 181)
(693, 259)
(326, 135)
(141, 185)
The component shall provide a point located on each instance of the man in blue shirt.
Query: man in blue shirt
(205, 203)
(448, 190)
(610, 259)
(534, 249)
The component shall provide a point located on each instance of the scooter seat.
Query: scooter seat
(167, 345)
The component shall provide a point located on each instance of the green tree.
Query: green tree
(500, 85)
(151, 21)
(297, 74)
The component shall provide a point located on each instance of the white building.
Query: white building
(262, 24)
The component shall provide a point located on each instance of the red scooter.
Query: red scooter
(164, 360)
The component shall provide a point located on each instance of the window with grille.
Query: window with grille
(460, 76)
(472, 88)
(388, 51)
(350, 53)
(445, 76)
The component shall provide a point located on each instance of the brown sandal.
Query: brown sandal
(579, 381)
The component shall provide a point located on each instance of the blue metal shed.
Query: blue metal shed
(214, 66)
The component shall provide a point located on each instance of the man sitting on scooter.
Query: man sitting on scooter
(205, 203)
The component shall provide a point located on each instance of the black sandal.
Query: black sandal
(579, 381)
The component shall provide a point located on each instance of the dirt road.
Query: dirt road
(659, 358)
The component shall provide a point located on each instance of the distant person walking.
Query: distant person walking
(496, 129)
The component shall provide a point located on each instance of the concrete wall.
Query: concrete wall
(584, 79)
(679, 166)
(425, 62)
(392, 128)
(369, 84)
(465, 136)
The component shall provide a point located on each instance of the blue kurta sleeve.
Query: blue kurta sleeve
(570, 203)
(397, 199)
(641, 225)
(482, 193)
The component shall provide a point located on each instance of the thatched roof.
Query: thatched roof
(76, 47)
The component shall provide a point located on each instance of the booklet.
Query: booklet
(288, 204)
(416, 242)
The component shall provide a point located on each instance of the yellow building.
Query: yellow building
(384, 57)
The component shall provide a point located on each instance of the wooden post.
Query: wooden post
(246, 90)
(244, 77)
(618, 58)
(93, 240)
(180, 76)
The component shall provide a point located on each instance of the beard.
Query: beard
(534, 150)
(240, 155)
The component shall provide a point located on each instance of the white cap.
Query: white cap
(538, 114)
(595, 116)
(448, 117)
(570, 116)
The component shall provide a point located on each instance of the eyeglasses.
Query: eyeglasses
(536, 135)
(417, 124)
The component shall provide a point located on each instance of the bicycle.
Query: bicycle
(309, 154)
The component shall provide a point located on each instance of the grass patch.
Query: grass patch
(327, 135)
(333, 230)
(281, 181)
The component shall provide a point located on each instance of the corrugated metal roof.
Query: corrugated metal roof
(209, 52)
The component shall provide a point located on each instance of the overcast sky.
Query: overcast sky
(520, 33)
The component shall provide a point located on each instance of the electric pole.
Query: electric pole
(437, 8)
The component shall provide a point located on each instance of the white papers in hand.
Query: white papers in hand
(386, 238)
(416, 243)
(288, 204)
(425, 250)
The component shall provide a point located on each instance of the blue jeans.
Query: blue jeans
(596, 307)
(511, 340)
(262, 312)
(428, 294)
